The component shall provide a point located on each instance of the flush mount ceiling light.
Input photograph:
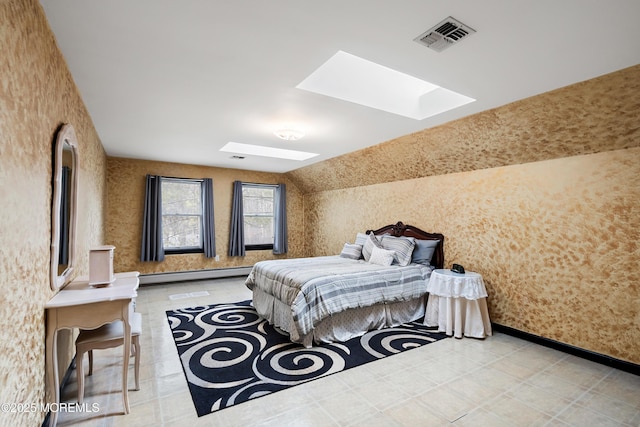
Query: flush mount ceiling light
(351, 78)
(261, 150)
(289, 134)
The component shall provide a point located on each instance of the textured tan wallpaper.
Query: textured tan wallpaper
(556, 241)
(37, 95)
(126, 186)
(589, 117)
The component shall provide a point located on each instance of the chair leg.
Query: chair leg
(80, 375)
(90, 362)
(136, 346)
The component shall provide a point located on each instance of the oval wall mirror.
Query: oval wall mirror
(63, 207)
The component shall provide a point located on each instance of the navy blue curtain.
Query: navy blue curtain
(236, 234)
(152, 249)
(280, 244)
(208, 223)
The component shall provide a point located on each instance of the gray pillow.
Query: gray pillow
(351, 251)
(361, 239)
(402, 246)
(423, 251)
(372, 241)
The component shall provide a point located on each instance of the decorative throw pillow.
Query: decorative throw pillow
(381, 256)
(361, 239)
(402, 246)
(372, 241)
(351, 251)
(424, 250)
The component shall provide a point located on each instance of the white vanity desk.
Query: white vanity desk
(79, 305)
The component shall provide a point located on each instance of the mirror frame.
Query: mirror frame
(66, 137)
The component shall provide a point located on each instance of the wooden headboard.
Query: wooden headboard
(400, 229)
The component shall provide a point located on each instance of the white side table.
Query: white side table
(457, 304)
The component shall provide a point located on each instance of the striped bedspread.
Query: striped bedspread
(318, 287)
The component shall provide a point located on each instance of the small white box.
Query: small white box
(101, 265)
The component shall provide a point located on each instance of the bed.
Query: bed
(378, 281)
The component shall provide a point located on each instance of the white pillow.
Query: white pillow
(381, 256)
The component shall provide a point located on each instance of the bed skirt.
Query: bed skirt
(342, 326)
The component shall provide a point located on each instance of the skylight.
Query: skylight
(260, 150)
(351, 78)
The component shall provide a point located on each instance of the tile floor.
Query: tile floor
(499, 381)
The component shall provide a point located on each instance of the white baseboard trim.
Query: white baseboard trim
(180, 276)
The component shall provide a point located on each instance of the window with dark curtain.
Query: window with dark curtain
(258, 218)
(178, 217)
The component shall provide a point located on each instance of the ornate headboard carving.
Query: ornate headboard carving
(400, 229)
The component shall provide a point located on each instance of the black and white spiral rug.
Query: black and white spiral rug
(230, 354)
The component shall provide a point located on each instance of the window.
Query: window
(258, 202)
(258, 218)
(182, 210)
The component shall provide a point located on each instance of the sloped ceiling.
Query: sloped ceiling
(174, 81)
(598, 115)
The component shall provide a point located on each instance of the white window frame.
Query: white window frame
(184, 249)
(261, 246)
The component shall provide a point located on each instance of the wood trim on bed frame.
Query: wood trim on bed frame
(400, 229)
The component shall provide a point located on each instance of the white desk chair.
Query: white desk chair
(107, 336)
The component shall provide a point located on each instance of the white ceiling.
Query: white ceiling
(176, 80)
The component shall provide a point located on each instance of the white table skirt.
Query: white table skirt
(458, 316)
(457, 304)
(446, 283)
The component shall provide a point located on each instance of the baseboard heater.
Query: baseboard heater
(603, 359)
(181, 276)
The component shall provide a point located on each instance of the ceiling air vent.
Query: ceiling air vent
(444, 35)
